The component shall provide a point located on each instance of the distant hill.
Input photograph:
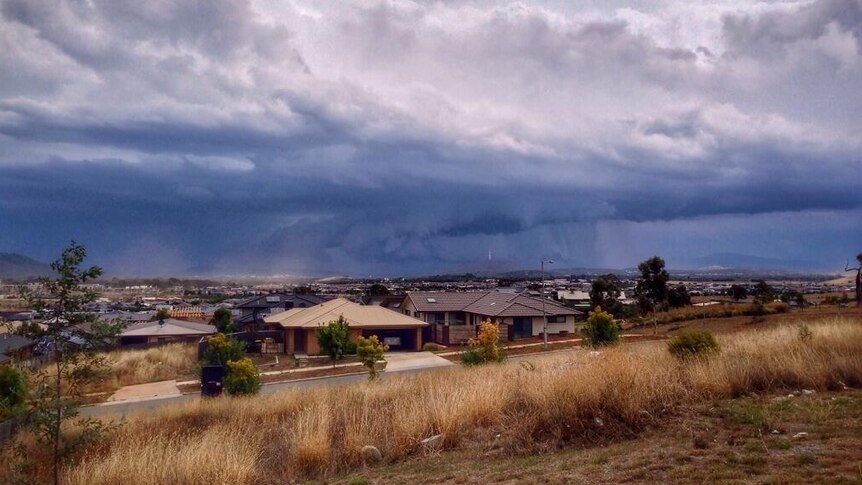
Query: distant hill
(17, 266)
(746, 261)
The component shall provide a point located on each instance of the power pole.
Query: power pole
(544, 314)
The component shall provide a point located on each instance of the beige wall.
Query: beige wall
(554, 328)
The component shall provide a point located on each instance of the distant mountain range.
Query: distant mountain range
(17, 266)
(746, 261)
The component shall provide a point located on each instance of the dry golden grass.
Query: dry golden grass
(137, 366)
(723, 310)
(581, 397)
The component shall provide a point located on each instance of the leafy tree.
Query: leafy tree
(605, 293)
(162, 314)
(370, 351)
(738, 292)
(13, 391)
(601, 329)
(651, 288)
(334, 338)
(74, 338)
(678, 296)
(377, 289)
(222, 349)
(243, 377)
(485, 347)
(763, 292)
(303, 290)
(222, 319)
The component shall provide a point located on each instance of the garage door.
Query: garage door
(397, 339)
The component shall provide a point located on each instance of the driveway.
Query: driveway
(146, 391)
(401, 361)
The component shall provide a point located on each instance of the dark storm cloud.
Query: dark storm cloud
(394, 137)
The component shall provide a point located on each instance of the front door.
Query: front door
(522, 327)
(299, 341)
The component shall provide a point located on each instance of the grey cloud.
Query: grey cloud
(391, 137)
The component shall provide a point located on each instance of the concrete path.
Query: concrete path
(401, 361)
(144, 391)
(121, 409)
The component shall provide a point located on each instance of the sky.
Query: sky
(378, 138)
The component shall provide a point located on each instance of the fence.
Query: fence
(259, 342)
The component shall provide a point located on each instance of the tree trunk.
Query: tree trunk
(58, 418)
(859, 288)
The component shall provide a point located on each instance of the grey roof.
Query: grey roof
(490, 303)
(168, 326)
(440, 301)
(9, 342)
(269, 301)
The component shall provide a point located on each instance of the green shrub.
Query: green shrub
(13, 391)
(222, 349)
(692, 343)
(334, 338)
(370, 350)
(471, 357)
(601, 329)
(432, 347)
(242, 377)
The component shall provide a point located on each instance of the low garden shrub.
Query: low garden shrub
(692, 343)
(242, 377)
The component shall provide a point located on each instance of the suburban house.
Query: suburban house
(189, 312)
(167, 330)
(251, 313)
(15, 348)
(577, 299)
(454, 318)
(399, 331)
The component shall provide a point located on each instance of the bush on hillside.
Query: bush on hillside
(13, 391)
(601, 328)
(242, 377)
(692, 343)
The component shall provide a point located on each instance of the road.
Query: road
(122, 409)
(119, 410)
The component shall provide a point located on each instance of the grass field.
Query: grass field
(138, 366)
(577, 400)
(744, 440)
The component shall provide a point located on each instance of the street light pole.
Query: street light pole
(544, 314)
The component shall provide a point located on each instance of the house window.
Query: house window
(436, 317)
(457, 318)
(556, 319)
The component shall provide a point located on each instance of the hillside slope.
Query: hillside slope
(17, 266)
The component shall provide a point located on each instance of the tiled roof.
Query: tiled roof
(261, 300)
(439, 301)
(187, 312)
(9, 342)
(168, 326)
(490, 303)
(356, 315)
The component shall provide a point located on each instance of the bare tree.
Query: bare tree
(858, 270)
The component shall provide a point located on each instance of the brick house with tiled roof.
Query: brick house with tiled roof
(454, 317)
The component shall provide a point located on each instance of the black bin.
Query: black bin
(211, 380)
